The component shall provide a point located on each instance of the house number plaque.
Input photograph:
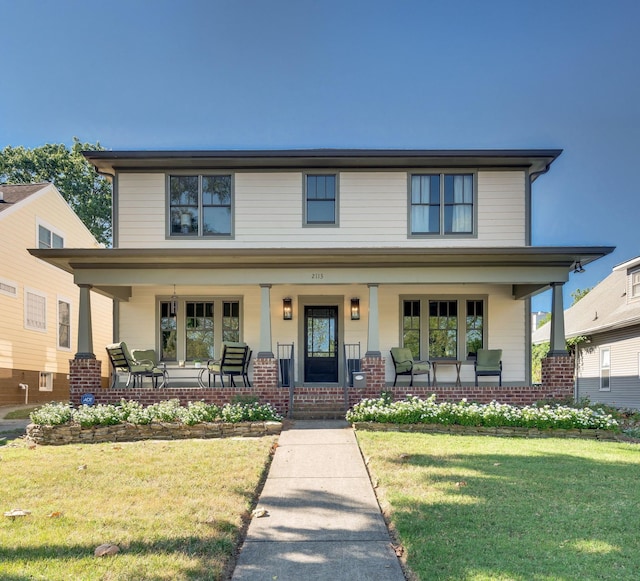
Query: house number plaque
(317, 275)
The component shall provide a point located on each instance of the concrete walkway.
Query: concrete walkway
(323, 522)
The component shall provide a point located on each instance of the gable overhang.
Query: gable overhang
(528, 270)
(536, 161)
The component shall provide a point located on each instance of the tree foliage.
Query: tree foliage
(87, 192)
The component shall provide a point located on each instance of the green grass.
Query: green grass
(175, 508)
(21, 414)
(479, 508)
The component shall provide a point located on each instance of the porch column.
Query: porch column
(266, 349)
(373, 335)
(557, 338)
(85, 332)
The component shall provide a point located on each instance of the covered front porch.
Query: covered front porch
(187, 303)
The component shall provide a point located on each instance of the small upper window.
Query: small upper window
(635, 284)
(442, 204)
(320, 199)
(49, 239)
(200, 205)
(8, 287)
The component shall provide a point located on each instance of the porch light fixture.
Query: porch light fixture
(578, 267)
(355, 309)
(287, 309)
(173, 304)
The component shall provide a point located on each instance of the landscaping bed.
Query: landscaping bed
(59, 424)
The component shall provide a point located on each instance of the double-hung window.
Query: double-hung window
(635, 284)
(320, 200)
(200, 205)
(49, 239)
(196, 329)
(442, 204)
(35, 310)
(453, 329)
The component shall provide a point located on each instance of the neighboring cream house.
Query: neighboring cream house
(608, 361)
(39, 303)
(428, 249)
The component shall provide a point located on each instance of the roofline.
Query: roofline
(538, 160)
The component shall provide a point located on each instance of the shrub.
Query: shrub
(165, 411)
(494, 414)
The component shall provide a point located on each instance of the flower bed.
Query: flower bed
(62, 424)
(493, 415)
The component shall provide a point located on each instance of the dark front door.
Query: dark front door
(321, 344)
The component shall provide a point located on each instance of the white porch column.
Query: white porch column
(557, 338)
(373, 334)
(85, 331)
(266, 349)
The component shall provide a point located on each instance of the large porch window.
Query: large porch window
(196, 331)
(453, 329)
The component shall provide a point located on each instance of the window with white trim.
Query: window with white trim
(47, 238)
(442, 204)
(64, 324)
(200, 205)
(635, 284)
(45, 382)
(9, 288)
(35, 310)
(605, 369)
(197, 328)
(454, 328)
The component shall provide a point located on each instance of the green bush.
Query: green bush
(165, 411)
(418, 411)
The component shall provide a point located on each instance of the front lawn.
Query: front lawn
(480, 508)
(175, 509)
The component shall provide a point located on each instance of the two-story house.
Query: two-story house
(321, 248)
(39, 303)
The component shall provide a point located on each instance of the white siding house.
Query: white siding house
(433, 247)
(38, 302)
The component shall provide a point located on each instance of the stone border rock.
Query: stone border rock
(126, 432)
(593, 434)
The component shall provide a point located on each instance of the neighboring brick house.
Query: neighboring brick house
(323, 248)
(39, 303)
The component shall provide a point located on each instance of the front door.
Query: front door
(321, 344)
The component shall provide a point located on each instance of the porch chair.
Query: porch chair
(404, 364)
(489, 362)
(234, 363)
(142, 365)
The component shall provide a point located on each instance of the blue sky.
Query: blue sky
(156, 74)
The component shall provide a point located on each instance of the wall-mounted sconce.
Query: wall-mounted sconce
(355, 309)
(287, 309)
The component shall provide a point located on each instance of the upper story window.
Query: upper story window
(8, 287)
(320, 200)
(442, 204)
(635, 284)
(200, 205)
(48, 238)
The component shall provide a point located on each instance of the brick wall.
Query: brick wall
(557, 374)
